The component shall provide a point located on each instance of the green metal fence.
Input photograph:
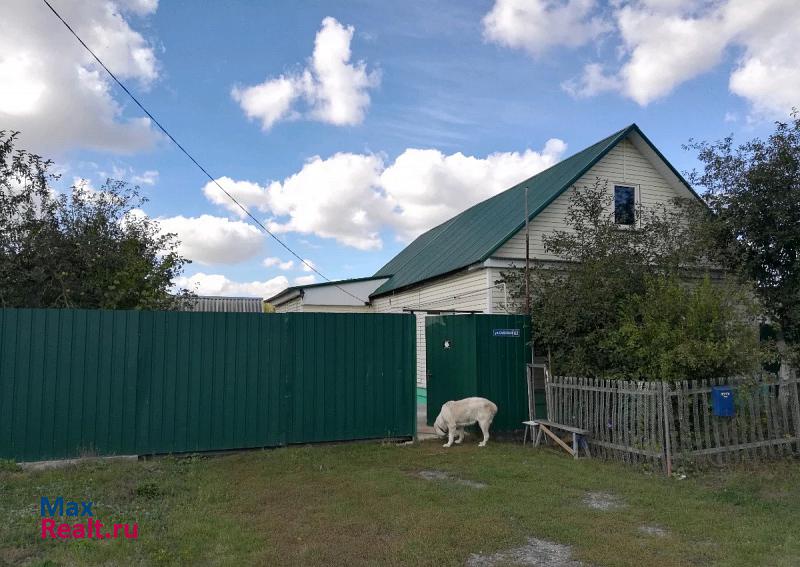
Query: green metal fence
(132, 382)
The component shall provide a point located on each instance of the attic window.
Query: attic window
(624, 205)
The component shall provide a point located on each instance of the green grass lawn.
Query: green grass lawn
(365, 504)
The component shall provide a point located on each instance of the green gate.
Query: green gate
(480, 355)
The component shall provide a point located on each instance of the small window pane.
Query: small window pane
(624, 205)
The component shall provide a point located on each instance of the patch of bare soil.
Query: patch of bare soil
(657, 531)
(602, 501)
(446, 476)
(536, 552)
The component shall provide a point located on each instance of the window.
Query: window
(624, 205)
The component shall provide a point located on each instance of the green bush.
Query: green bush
(674, 331)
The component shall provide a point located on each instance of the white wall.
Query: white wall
(337, 308)
(339, 294)
(623, 165)
(291, 306)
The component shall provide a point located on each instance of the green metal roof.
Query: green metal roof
(474, 235)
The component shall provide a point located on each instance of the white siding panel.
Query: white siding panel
(464, 291)
(293, 306)
(337, 308)
(624, 164)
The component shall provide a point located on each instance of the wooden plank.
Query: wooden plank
(602, 420)
(625, 448)
(617, 429)
(729, 448)
(720, 435)
(783, 410)
(751, 426)
(795, 403)
(553, 424)
(778, 431)
(642, 423)
(669, 426)
(639, 431)
(556, 438)
(773, 432)
(735, 455)
(624, 425)
(681, 425)
(694, 409)
(706, 414)
(656, 443)
(759, 427)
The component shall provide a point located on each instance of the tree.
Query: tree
(82, 248)
(753, 191)
(592, 309)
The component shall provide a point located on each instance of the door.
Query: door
(450, 360)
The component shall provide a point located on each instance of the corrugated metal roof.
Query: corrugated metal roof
(225, 304)
(473, 235)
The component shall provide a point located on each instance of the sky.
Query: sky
(349, 128)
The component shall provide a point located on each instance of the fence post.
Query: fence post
(796, 411)
(667, 430)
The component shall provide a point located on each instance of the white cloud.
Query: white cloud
(352, 198)
(270, 101)
(594, 81)
(305, 280)
(273, 262)
(217, 284)
(427, 187)
(52, 90)
(662, 44)
(335, 90)
(149, 177)
(308, 265)
(539, 25)
(214, 240)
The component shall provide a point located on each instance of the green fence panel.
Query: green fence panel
(78, 382)
(349, 377)
(479, 355)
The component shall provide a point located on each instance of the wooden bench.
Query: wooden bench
(545, 426)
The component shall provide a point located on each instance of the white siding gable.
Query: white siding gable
(625, 164)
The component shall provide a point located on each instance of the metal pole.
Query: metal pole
(527, 259)
(532, 382)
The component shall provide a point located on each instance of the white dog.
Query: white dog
(455, 415)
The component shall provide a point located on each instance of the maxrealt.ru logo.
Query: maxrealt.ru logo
(87, 528)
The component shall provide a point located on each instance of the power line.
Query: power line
(308, 264)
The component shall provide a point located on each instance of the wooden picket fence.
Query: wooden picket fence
(663, 424)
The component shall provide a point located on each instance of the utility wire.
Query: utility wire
(309, 265)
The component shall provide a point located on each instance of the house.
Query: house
(453, 267)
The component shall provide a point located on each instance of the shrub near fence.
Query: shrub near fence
(662, 423)
(138, 382)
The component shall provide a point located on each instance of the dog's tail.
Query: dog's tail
(492, 407)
